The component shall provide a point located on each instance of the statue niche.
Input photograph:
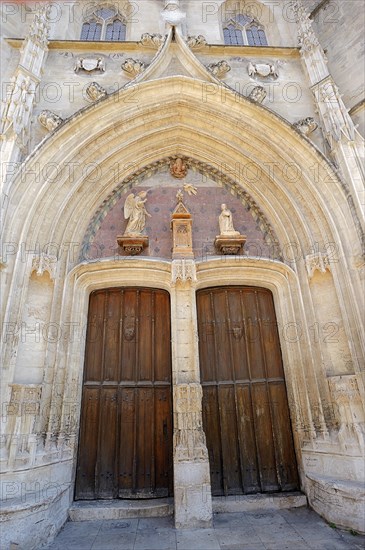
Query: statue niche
(133, 241)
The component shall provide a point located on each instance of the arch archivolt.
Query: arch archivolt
(119, 139)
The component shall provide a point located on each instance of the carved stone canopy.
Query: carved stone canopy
(181, 225)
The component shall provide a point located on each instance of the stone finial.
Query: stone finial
(306, 125)
(95, 92)
(196, 42)
(49, 120)
(133, 67)
(152, 40)
(219, 69)
(258, 94)
(172, 13)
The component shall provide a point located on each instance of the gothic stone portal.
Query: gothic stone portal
(125, 448)
(245, 408)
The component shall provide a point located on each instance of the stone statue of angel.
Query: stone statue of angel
(135, 212)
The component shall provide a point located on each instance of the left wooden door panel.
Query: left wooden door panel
(125, 446)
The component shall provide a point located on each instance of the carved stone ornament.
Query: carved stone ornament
(181, 225)
(219, 69)
(49, 120)
(133, 67)
(152, 40)
(90, 64)
(183, 271)
(178, 168)
(44, 262)
(95, 92)
(133, 241)
(258, 94)
(229, 241)
(263, 70)
(306, 126)
(316, 262)
(196, 42)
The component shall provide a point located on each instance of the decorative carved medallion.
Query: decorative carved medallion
(196, 42)
(219, 69)
(95, 92)
(152, 40)
(178, 168)
(90, 64)
(49, 120)
(133, 67)
(263, 70)
(306, 126)
(258, 94)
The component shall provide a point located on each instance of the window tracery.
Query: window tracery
(244, 30)
(104, 24)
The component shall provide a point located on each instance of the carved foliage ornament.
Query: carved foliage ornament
(133, 67)
(95, 92)
(49, 120)
(152, 40)
(44, 262)
(219, 69)
(196, 42)
(306, 126)
(258, 94)
(183, 270)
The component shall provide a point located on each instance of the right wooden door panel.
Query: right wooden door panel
(245, 407)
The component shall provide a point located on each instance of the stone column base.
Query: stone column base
(192, 494)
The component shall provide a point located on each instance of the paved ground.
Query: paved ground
(280, 530)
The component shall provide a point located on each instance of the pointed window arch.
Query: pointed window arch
(104, 24)
(244, 30)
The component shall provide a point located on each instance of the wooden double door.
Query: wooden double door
(245, 407)
(125, 445)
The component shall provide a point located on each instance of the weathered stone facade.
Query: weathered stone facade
(297, 196)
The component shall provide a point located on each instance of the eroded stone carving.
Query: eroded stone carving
(90, 64)
(196, 42)
(49, 120)
(183, 270)
(258, 94)
(133, 67)
(306, 125)
(172, 14)
(189, 436)
(319, 261)
(263, 70)
(152, 40)
(346, 394)
(95, 92)
(219, 69)
(178, 168)
(45, 262)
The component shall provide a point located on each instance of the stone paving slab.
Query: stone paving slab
(293, 529)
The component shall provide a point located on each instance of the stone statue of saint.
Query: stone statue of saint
(135, 212)
(226, 222)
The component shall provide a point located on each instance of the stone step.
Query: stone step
(120, 509)
(255, 503)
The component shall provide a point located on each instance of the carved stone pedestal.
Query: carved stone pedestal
(229, 244)
(132, 245)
